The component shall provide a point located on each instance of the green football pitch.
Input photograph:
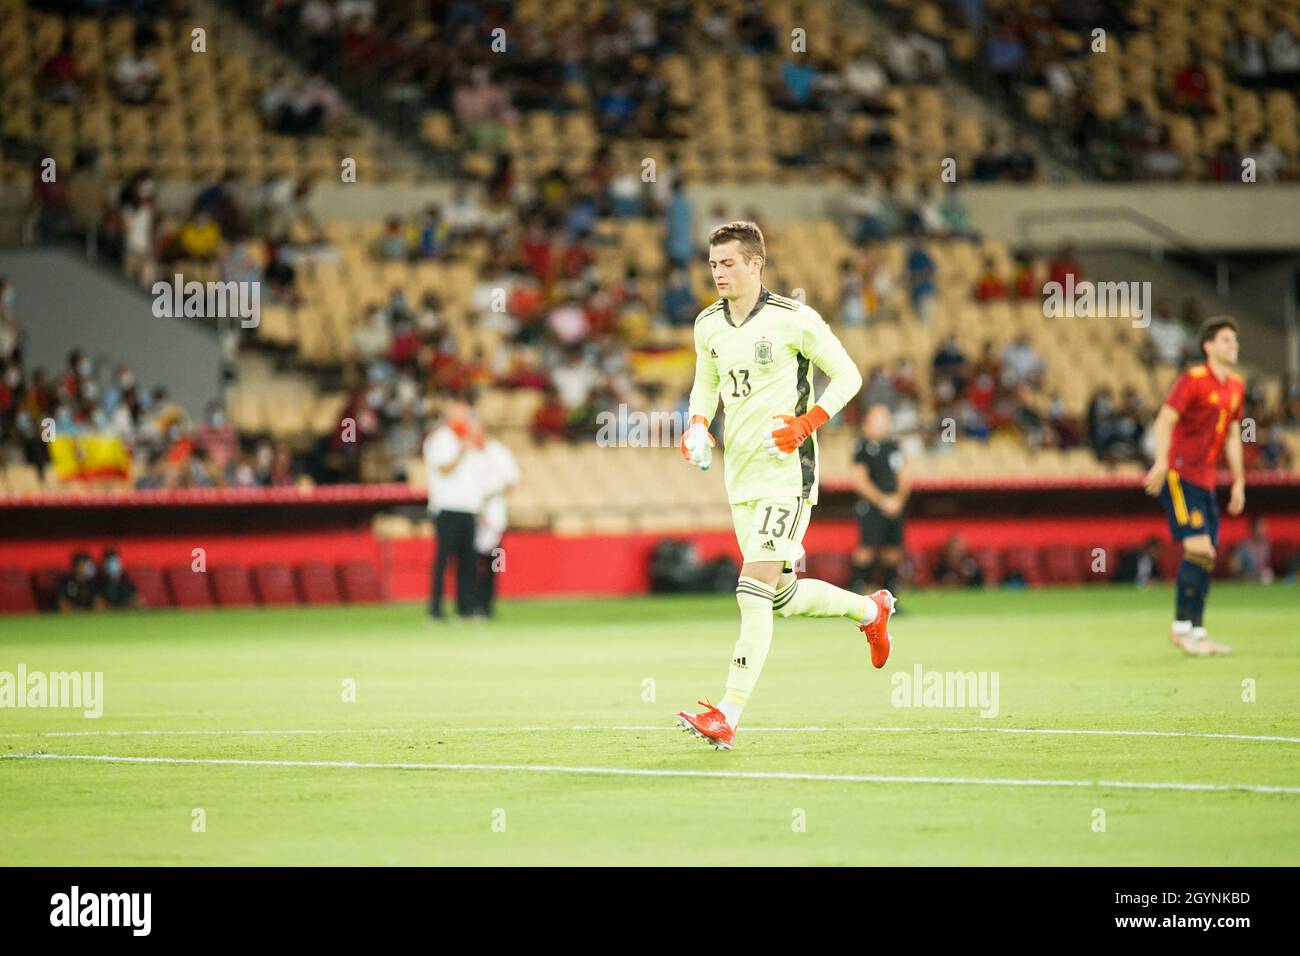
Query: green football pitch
(362, 736)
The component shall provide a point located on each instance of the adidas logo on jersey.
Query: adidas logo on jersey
(712, 354)
(768, 546)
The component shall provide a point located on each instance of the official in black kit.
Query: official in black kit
(882, 484)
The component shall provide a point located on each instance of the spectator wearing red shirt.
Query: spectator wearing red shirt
(575, 258)
(182, 444)
(79, 368)
(601, 316)
(551, 420)
(406, 343)
(282, 473)
(10, 382)
(60, 74)
(525, 300)
(1026, 287)
(538, 252)
(49, 201)
(39, 396)
(1192, 89)
(1065, 264)
(216, 437)
(1225, 164)
(982, 392)
(357, 422)
(463, 377)
(989, 286)
(445, 362)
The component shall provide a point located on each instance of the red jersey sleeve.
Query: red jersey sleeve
(1181, 394)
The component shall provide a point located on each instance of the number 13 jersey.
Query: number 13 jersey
(761, 367)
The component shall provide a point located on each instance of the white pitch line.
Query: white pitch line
(208, 732)
(710, 774)
(658, 727)
(994, 730)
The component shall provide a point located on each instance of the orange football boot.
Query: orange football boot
(710, 724)
(877, 631)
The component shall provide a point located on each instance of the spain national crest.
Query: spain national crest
(763, 352)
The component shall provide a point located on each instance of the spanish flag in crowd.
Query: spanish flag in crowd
(85, 457)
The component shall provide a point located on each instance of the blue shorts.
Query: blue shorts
(1191, 509)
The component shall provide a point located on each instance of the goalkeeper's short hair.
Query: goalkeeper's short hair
(746, 233)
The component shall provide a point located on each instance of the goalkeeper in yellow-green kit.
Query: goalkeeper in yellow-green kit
(755, 350)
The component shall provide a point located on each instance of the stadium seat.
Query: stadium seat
(149, 583)
(360, 583)
(989, 564)
(836, 569)
(16, 591)
(231, 587)
(45, 587)
(1024, 560)
(23, 478)
(1112, 552)
(273, 584)
(189, 588)
(317, 584)
(1171, 555)
(1061, 566)
(1283, 553)
(920, 564)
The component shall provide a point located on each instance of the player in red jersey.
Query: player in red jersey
(1201, 417)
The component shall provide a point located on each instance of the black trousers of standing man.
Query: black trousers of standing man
(456, 539)
(487, 583)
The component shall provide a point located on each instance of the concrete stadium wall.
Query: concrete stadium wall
(66, 303)
(1252, 217)
(1247, 217)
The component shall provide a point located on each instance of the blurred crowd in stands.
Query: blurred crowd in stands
(564, 333)
(42, 416)
(413, 60)
(133, 77)
(246, 233)
(570, 336)
(1046, 46)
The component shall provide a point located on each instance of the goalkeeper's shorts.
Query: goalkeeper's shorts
(771, 529)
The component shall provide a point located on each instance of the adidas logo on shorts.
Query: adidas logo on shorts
(768, 546)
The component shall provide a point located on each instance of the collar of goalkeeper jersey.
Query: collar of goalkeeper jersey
(762, 301)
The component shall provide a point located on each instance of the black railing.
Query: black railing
(1213, 268)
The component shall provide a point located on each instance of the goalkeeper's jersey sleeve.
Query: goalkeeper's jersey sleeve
(761, 366)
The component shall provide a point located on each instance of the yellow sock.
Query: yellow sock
(809, 597)
(755, 600)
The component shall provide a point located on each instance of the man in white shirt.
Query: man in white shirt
(500, 472)
(135, 76)
(452, 455)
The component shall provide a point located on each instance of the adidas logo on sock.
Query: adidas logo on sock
(740, 662)
(769, 546)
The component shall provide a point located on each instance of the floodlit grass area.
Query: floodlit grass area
(547, 736)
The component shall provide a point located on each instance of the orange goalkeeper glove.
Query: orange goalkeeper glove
(789, 432)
